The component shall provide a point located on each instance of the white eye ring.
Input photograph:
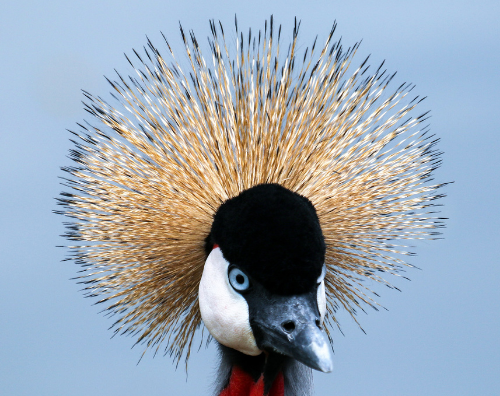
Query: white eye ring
(238, 279)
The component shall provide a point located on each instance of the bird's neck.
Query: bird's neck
(242, 384)
(243, 375)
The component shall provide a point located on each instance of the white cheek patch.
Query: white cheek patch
(321, 297)
(223, 310)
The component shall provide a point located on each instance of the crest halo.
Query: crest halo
(152, 169)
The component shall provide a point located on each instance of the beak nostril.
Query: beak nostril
(288, 326)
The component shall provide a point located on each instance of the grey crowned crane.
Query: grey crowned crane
(250, 193)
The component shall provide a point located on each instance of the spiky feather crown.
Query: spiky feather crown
(153, 171)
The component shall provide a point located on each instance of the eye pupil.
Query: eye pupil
(240, 279)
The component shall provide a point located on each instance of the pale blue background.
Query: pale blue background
(441, 334)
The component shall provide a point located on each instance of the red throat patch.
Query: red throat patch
(242, 384)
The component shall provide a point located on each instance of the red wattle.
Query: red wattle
(242, 384)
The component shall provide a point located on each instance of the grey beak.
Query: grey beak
(312, 348)
(290, 325)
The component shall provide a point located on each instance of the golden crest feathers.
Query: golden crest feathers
(154, 169)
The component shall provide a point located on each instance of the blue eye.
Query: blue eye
(238, 279)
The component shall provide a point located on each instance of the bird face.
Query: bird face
(267, 292)
(224, 309)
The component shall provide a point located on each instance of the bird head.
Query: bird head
(262, 287)
(297, 173)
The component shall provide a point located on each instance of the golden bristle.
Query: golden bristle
(155, 169)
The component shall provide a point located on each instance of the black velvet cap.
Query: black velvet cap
(274, 235)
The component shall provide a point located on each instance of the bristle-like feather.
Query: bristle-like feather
(155, 167)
